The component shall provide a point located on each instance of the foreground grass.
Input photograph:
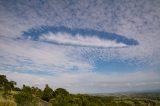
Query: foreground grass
(7, 102)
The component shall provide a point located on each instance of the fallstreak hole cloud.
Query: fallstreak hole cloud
(77, 37)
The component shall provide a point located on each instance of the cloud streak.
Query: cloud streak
(78, 40)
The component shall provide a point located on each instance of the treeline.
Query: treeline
(33, 96)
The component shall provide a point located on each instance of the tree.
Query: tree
(12, 84)
(6, 85)
(9, 86)
(3, 81)
(27, 89)
(61, 91)
(36, 91)
(48, 93)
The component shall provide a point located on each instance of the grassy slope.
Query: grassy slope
(6, 102)
(10, 101)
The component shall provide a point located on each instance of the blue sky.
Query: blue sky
(85, 46)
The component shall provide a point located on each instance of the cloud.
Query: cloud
(24, 55)
(66, 39)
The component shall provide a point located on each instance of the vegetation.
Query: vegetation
(48, 93)
(4, 102)
(33, 96)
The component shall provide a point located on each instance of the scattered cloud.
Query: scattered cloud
(38, 56)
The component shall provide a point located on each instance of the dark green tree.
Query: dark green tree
(12, 84)
(61, 91)
(3, 82)
(36, 91)
(48, 93)
(6, 85)
(26, 89)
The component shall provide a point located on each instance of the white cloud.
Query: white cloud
(65, 38)
(31, 55)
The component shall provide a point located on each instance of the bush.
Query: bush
(23, 98)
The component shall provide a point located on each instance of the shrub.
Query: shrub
(23, 98)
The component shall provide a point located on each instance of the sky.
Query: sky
(84, 46)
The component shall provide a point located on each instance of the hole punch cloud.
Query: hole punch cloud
(78, 37)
